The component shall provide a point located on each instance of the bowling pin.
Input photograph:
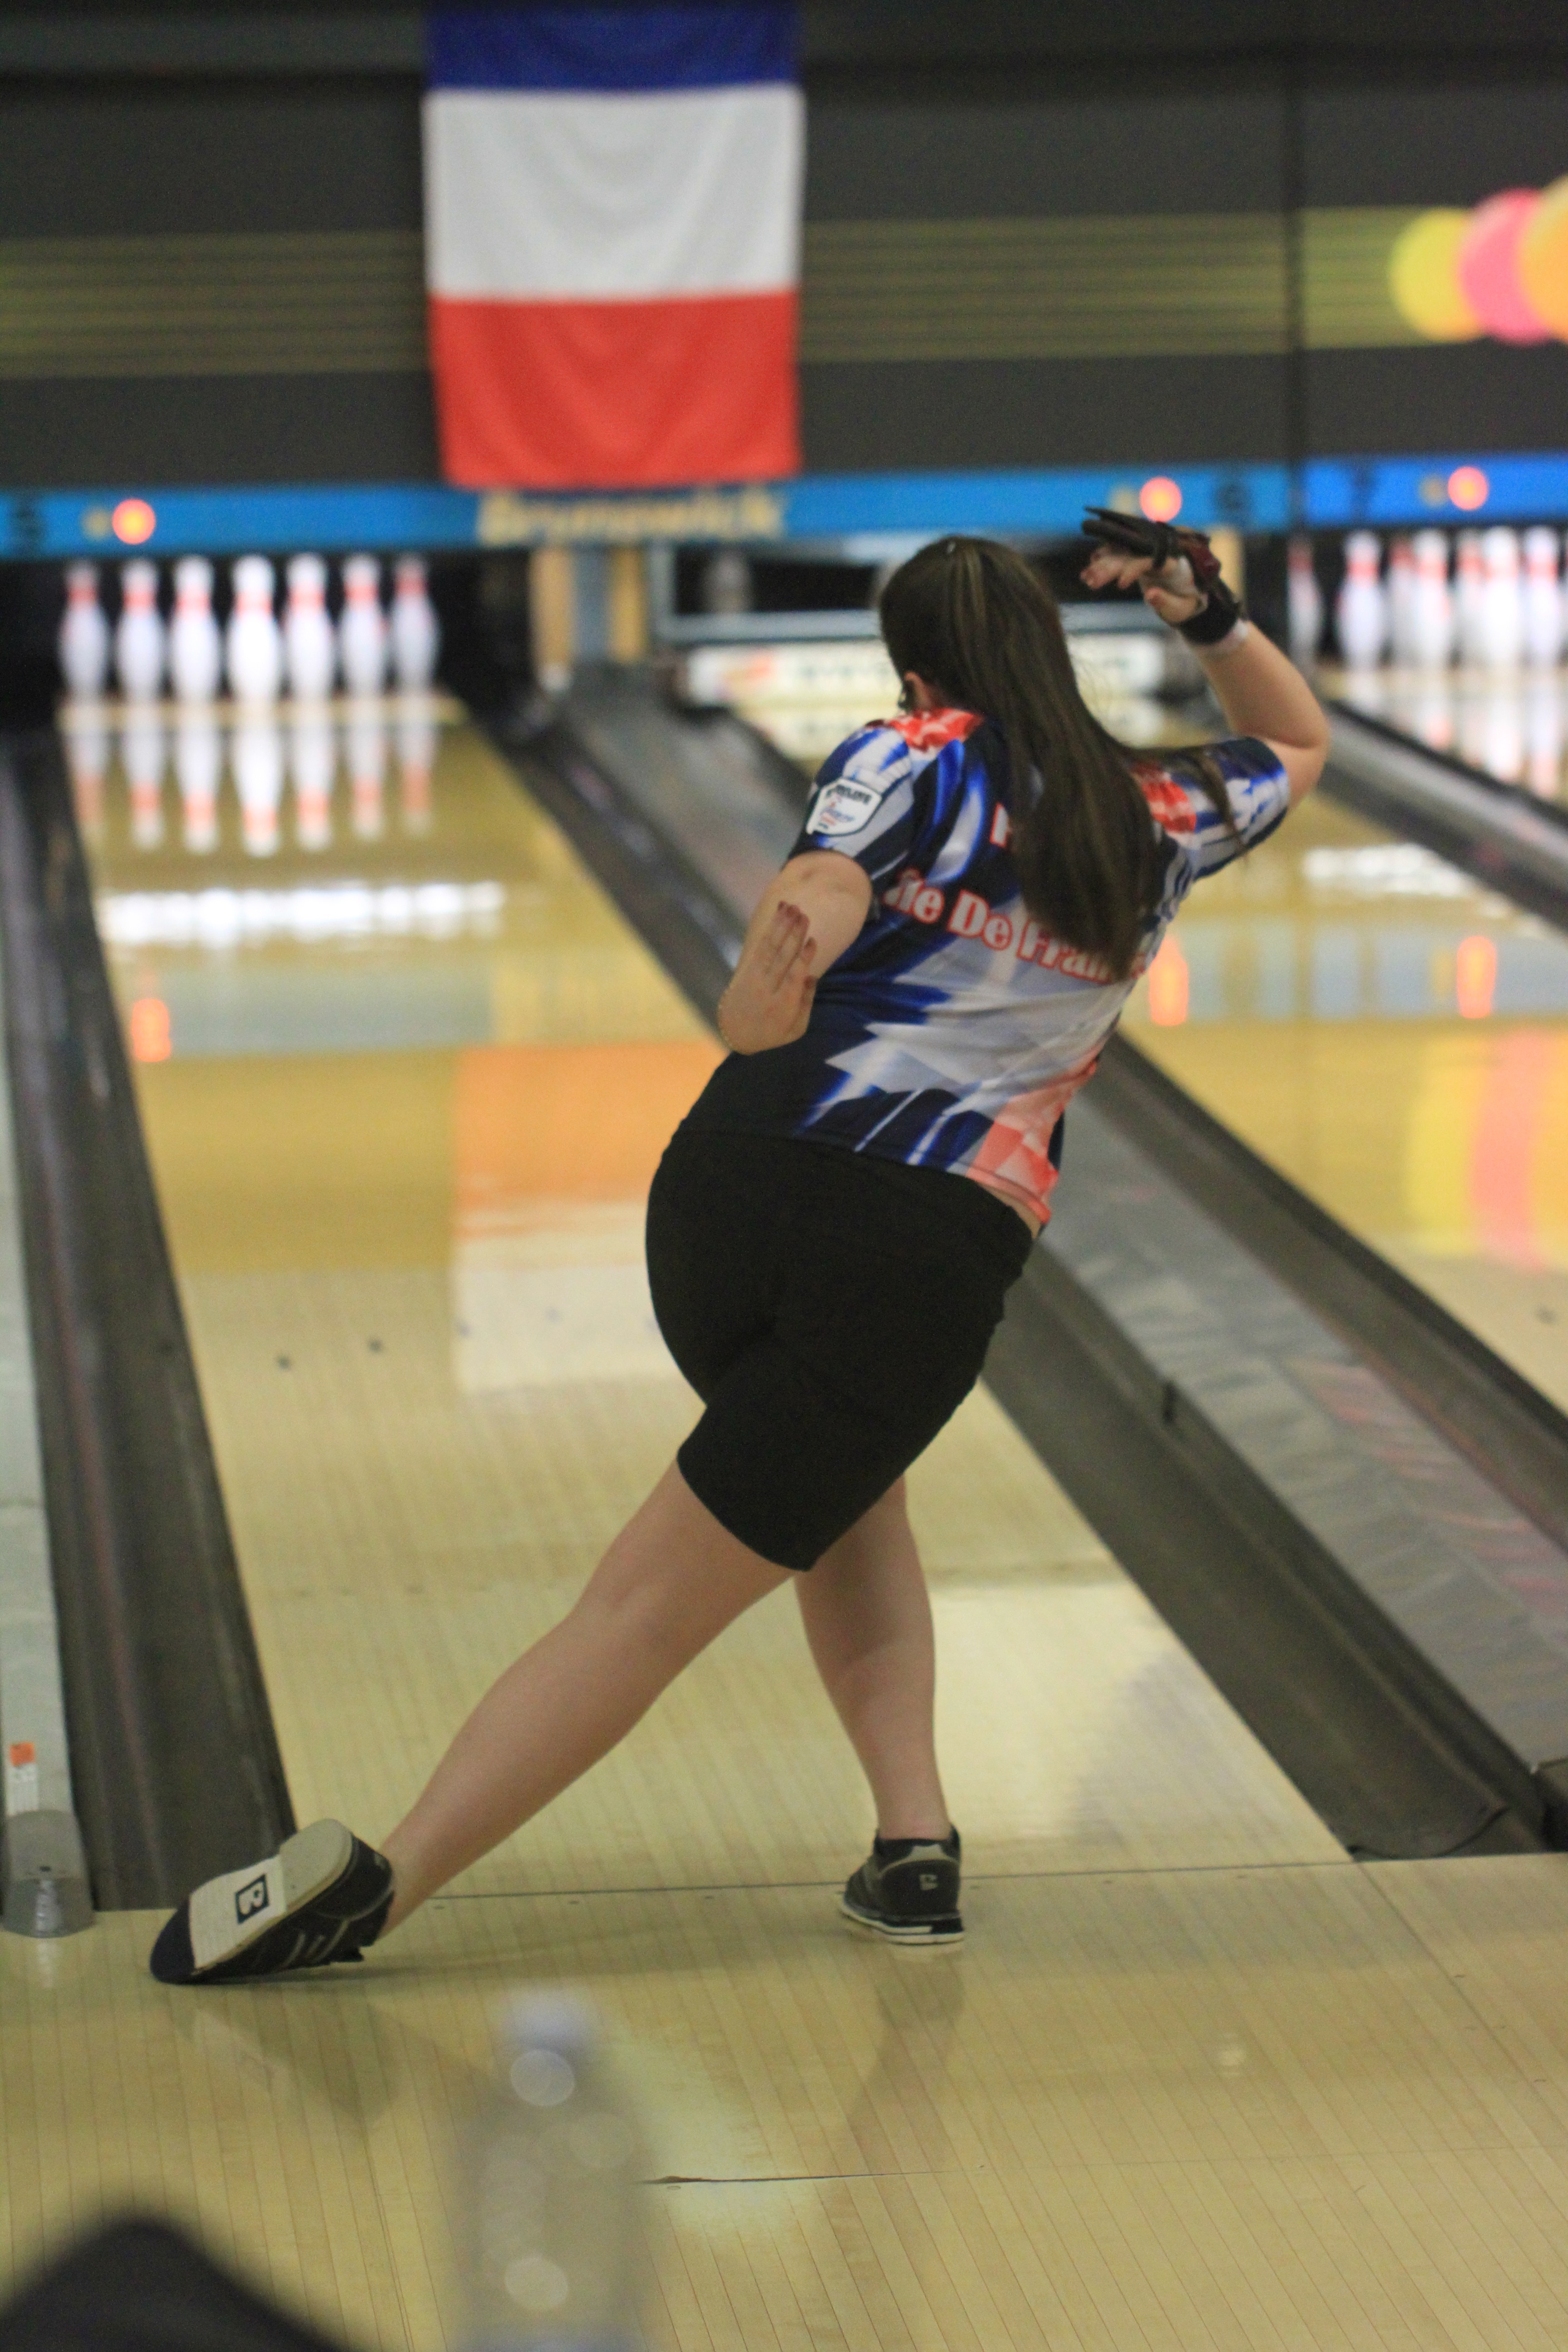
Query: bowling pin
(367, 770)
(309, 640)
(415, 759)
(415, 632)
(1544, 735)
(139, 634)
(1361, 612)
(362, 633)
(143, 752)
(253, 648)
(258, 780)
(312, 759)
(87, 756)
(1401, 599)
(196, 649)
(1500, 622)
(1304, 603)
(1542, 598)
(198, 770)
(1431, 602)
(1468, 597)
(84, 635)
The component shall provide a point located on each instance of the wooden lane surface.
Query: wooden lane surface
(1194, 2079)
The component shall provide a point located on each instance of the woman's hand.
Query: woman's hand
(1170, 591)
(768, 1001)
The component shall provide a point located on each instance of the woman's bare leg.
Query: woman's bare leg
(867, 1620)
(670, 1582)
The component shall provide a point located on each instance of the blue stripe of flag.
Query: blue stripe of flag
(625, 48)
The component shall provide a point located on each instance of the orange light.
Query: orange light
(1468, 488)
(134, 521)
(1475, 976)
(1168, 987)
(150, 1038)
(1160, 499)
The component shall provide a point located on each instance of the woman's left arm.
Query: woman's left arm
(815, 909)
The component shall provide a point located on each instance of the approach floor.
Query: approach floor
(1196, 2078)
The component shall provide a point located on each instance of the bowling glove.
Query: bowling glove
(1220, 611)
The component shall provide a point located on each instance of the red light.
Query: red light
(1160, 499)
(1168, 987)
(1475, 977)
(150, 1038)
(134, 521)
(1468, 488)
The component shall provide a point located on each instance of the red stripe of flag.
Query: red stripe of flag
(704, 391)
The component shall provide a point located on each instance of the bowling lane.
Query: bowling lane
(1512, 726)
(405, 1075)
(806, 696)
(403, 1087)
(1395, 1039)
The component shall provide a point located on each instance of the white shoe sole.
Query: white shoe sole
(229, 1913)
(908, 1939)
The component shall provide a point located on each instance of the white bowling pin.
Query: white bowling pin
(198, 770)
(253, 648)
(362, 632)
(196, 648)
(1467, 590)
(1401, 599)
(1431, 602)
(1500, 624)
(415, 759)
(415, 632)
(143, 752)
(309, 640)
(1361, 612)
(139, 634)
(258, 780)
(313, 758)
(84, 635)
(87, 756)
(1303, 602)
(367, 770)
(1542, 598)
(1544, 737)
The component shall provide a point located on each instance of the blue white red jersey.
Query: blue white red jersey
(954, 1032)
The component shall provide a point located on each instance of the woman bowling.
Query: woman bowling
(836, 1224)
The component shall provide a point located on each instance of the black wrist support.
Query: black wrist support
(1165, 542)
(1214, 620)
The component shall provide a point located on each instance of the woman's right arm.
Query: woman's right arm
(1260, 691)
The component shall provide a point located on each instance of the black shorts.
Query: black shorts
(831, 1310)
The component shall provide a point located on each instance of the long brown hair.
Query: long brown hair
(972, 619)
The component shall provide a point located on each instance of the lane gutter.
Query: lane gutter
(174, 1761)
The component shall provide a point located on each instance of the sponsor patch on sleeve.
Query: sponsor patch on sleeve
(844, 807)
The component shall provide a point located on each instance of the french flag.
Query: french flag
(612, 200)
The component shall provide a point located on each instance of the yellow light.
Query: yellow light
(1160, 499)
(1423, 277)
